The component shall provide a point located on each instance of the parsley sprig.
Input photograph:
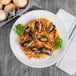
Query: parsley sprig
(20, 29)
(58, 43)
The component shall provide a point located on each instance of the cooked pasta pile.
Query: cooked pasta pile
(38, 39)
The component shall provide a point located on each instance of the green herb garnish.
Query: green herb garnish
(58, 43)
(20, 29)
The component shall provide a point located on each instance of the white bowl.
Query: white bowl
(38, 63)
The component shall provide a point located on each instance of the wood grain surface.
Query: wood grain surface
(9, 65)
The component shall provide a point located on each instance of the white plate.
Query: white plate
(38, 63)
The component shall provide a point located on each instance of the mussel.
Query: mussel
(35, 49)
(38, 26)
(49, 30)
(27, 29)
(44, 39)
(32, 35)
(43, 50)
(27, 43)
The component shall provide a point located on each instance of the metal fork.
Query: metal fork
(73, 29)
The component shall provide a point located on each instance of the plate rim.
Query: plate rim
(15, 54)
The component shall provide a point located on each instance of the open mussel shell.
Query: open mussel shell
(35, 49)
(44, 39)
(49, 27)
(27, 43)
(27, 29)
(38, 26)
(49, 30)
(34, 36)
(43, 50)
(31, 35)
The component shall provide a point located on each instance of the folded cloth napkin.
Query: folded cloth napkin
(68, 61)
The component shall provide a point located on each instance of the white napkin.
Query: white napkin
(68, 61)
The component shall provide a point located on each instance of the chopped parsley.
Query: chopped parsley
(20, 29)
(58, 43)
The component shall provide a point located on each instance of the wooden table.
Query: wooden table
(9, 65)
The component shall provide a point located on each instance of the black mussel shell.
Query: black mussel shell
(37, 50)
(34, 48)
(31, 34)
(44, 39)
(48, 51)
(27, 43)
(38, 26)
(49, 30)
(27, 29)
(52, 28)
(49, 27)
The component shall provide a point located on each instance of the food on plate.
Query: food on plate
(5, 2)
(3, 15)
(20, 3)
(10, 7)
(1, 6)
(39, 38)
